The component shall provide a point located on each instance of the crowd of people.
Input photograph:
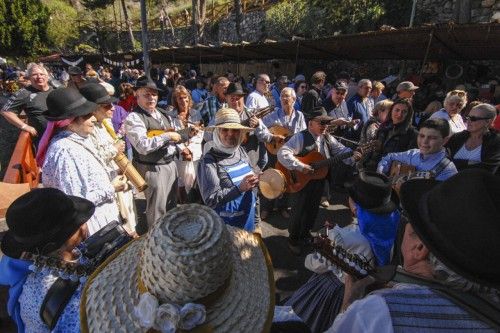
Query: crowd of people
(423, 240)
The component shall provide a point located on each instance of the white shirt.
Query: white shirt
(256, 100)
(456, 124)
(136, 132)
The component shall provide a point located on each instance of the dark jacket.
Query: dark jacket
(393, 139)
(311, 99)
(490, 151)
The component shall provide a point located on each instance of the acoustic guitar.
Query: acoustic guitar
(296, 180)
(401, 172)
(273, 146)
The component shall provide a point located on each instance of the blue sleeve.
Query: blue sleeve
(69, 322)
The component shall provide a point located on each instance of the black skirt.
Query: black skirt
(318, 301)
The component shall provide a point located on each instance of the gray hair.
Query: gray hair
(364, 82)
(32, 66)
(487, 110)
(451, 279)
(454, 98)
(290, 90)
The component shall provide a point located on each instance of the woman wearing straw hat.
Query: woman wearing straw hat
(69, 159)
(191, 272)
(45, 225)
(226, 180)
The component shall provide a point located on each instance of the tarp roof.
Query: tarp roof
(439, 42)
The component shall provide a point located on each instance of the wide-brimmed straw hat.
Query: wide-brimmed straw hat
(228, 118)
(458, 221)
(189, 256)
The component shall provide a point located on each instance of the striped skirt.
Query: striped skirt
(318, 301)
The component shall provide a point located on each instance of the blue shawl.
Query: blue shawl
(380, 231)
(13, 273)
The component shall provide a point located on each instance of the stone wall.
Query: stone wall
(441, 11)
(252, 28)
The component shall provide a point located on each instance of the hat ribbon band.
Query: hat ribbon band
(77, 103)
(207, 301)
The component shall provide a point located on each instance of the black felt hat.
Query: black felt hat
(235, 88)
(458, 220)
(43, 219)
(65, 103)
(373, 192)
(145, 82)
(75, 70)
(96, 93)
(318, 113)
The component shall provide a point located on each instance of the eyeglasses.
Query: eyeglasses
(473, 118)
(459, 93)
(265, 81)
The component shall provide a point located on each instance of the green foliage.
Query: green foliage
(351, 15)
(23, 27)
(85, 49)
(62, 29)
(95, 4)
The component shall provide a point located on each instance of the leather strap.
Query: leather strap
(56, 300)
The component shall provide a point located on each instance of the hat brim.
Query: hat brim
(321, 118)
(84, 209)
(147, 87)
(247, 304)
(106, 100)
(389, 207)
(83, 110)
(230, 126)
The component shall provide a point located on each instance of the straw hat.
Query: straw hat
(189, 256)
(228, 118)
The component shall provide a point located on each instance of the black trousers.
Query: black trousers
(305, 207)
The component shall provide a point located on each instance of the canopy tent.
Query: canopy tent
(433, 42)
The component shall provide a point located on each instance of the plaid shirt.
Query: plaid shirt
(209, 108)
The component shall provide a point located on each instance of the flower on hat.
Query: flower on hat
(168, 317)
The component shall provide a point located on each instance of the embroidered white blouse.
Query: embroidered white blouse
(72, 166)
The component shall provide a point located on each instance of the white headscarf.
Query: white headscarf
(222, 147)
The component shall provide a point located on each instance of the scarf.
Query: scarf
(380, 230)
(13, 273)
(50, 131)
(223, 148)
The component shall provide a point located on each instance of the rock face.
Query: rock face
(252, 28)
(459, 11)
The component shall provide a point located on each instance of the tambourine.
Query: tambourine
(272, 183)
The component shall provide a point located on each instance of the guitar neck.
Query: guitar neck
(336, 159)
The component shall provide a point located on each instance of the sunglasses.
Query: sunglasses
(460, 93)
(473, 118)
(323, 122)
(302, 87)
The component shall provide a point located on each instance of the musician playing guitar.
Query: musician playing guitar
(430, 155)
(305, 203)
(287, 120)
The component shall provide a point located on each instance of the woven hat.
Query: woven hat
(189, 257)
(228, 118)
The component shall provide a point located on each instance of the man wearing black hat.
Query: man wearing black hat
(305, 203)
(451, 278)
(76, 77)
(154, 156)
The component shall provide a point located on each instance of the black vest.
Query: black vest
(158, 156)
(310, 143)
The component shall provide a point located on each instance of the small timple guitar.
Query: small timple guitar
(297, 180)
(273, 146)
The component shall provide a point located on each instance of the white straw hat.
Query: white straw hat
(189, 256)
(228, 118)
